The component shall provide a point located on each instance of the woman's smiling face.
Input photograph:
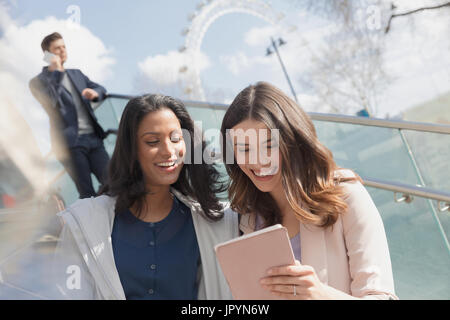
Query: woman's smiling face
(160, 147)
(256, 150)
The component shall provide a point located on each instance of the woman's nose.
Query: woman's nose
(167, 149)
(259, 158)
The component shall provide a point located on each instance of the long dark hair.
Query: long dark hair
(308, 170)
(125, 178)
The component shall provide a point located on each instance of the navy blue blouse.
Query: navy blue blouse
(157, 260)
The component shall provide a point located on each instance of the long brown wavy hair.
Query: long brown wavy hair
(308, 170)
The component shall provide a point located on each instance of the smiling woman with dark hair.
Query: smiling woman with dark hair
(127, 171)
(151, 235)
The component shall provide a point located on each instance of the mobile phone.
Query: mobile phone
(48, 56)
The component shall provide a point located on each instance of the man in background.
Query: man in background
(76, 135)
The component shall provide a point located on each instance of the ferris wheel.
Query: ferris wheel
(207, 12)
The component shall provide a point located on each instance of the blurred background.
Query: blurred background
(373, 74)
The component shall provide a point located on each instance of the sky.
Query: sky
(131, 47)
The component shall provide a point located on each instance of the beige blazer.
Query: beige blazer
(353, 255)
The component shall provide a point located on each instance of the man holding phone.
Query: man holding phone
(76, 135)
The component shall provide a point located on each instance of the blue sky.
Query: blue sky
(131, 47)
(146, 28)
(131, 32)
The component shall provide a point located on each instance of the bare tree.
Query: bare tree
(348, 75)
(346, 71)
(335, 9)
(396, 15)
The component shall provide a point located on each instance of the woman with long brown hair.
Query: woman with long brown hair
(281, 173)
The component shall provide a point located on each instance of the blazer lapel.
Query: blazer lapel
(314, 250)
(74, 80)
(49, 88)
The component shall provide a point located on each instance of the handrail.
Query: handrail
(384, 123)
(418, 191)
(119, 96)
(374, 122)
(191, 103)
(423, 192)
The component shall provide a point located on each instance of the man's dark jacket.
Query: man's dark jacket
(48, 89)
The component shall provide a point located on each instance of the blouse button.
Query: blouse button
(152, 243)
(150, 291)
(153, 266)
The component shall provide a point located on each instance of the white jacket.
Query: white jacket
(84, 266)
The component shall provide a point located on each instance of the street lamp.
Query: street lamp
(275, 46)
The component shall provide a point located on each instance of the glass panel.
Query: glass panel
(211, 121)
(420, 260)
(210, 124)
(376, 152)
(108, 119)
(432, 153)
(26, 274)
(444, 220)
(372, 152)
(106, 116)
(206, 116)
(118, 105)
(30, 235)
(66, 188)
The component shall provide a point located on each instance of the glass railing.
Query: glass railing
(432, 153)
(396, 155)
(417, 232)
(419, 256)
